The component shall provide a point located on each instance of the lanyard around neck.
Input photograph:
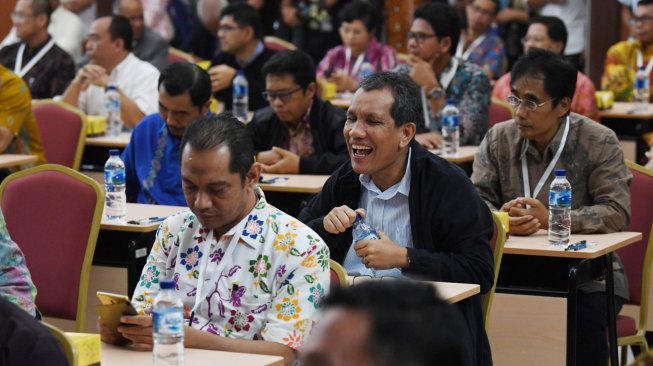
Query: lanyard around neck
(357, 64)
(640, 63)
(18, 66)
(549, 168)
(461, 45)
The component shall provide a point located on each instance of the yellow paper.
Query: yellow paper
(96, 125)
(87, 346)
(604, 99)
(504, 219)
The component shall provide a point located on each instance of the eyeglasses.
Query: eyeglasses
(528, 104)
(531, 39)
(484, 12)
(19, 15)
(418, 36)
(363, 278)
(283, 96)
(643, 20)
(227, 28)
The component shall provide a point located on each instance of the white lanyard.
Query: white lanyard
(357, 65)
(549, 169)
(18, 66)
(470, 49)
(640, 63)
(231, 246)
(445, 80)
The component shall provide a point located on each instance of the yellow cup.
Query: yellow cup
(329, 90)
(503, 216)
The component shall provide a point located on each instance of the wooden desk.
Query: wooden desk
(117, 142)
(465, 154)
(121, 356)
(11, 160)
(625, 110)
(450, 291)
(293, 183)
(140, 211)
(604, 244)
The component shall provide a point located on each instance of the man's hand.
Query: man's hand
(422, 73)
(430, 140)
(105, 334)
(93, 74)
(523, 220)
(137, 329)
(343, 81)
(382, 253)
(221, 76)
(287, 164)
(340, 219)
(267, 157)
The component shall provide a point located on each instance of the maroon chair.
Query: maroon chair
(337, 274)
(53, 213)
(63, 131)
(278, 44)
(498, 111)
(637, 259)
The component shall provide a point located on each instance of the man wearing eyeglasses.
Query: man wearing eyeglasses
(432, 42)
(513, 171)
(624, 58)
(241, 48)
(478, 43)
(298, 132)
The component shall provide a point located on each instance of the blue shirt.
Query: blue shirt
(152, 164)
(387, 211)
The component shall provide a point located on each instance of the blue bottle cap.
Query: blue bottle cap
(358, 218)
(114, 152)
(167, 284)
(561, 172)
(451, 101)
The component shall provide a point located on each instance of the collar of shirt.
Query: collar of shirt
(304, 124)
(257, 51)
(29, 53)
(259, 214)
(402, 187)
(121, 67)
(550, 149)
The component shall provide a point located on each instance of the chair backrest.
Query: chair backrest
(637, 257)
(498, 111)
(65, 343)
(278, 44)
(53, 213)
(177, 55)
(497, 243)
(338, 274)
(63, 132)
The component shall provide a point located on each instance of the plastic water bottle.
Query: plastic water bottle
(112, 110)
(641, 90)
(240, 101)
(560, 209)
(450, 129)
(115, 202)
(366, 70)
(361, 230)
(168, 327)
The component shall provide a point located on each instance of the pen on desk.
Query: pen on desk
(577, 246)
(190, 320)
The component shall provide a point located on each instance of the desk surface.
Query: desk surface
(118, 142)
(139, 211)
(10, 160)
(465, 154)
(538, 244)
(120, 356)
(624, 110)
(295, 183)
(449, 291)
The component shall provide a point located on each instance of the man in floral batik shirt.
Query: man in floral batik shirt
(251, 277)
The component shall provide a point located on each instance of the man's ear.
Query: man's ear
(254, 174)
(445, 43)
(42, 20)
(408, 131)
(310, 89)
(564, 106)
(249, 32)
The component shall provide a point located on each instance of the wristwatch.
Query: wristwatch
(435, 93)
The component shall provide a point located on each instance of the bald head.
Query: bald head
(133, 11)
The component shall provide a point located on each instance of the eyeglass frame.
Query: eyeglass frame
(19, 15)
(644, 20)
(419, 36)
(527, 101)
(228, 28)
(283, 96)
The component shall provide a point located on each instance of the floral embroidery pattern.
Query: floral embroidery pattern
(288, 309)
(284, 241)
(240, 320)
(317, 294)
(253, 227)
(149, 276)
(191, 258)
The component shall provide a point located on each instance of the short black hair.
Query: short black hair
(120, 28)
(407, 105)
(645, 2)
(42, 7)
(212, 132)
(558, 74)
(555, 28)
(360, 10)
(410, 324)
(244, 15)
(295, 63)
(443, 19)
(181, 77)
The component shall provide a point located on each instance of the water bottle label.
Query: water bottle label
(641, 83)
(118, 177)
(168, 321)
(560, 199)
(450, 121)
(239, 89)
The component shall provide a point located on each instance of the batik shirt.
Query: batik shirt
(379, 56)
(15, 281)
(620, 67)
(269, 288)
(490, 54)
(470, 89)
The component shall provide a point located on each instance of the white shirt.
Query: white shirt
(66, 28)
(574, 14)
(135, 78)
